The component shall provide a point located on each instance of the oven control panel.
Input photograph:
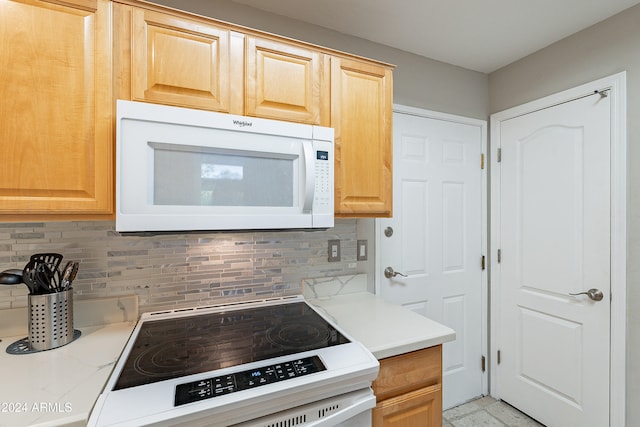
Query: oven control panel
(238, 381)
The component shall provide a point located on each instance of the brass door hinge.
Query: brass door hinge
(483, 263)
(484, 364)
(499, 155)
(499, 357)
(482, 161)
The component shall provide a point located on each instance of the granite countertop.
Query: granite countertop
(386, 329)
(58, 387)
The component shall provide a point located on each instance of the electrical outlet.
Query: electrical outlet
(334, 250)
(362, 250)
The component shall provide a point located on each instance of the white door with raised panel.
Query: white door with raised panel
(553, 275)
(435, 240)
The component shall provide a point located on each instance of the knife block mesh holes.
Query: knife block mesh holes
(50, 320)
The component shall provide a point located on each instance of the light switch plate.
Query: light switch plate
(334, 250)
(362, 250)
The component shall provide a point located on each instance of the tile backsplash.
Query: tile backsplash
(169, 271)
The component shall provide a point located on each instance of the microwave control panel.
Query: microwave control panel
(323, 196)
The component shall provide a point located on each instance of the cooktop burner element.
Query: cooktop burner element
(175, 347)
(300, 336)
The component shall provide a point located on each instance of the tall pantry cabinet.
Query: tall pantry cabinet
(56, 134)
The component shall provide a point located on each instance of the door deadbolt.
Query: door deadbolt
(388, 231)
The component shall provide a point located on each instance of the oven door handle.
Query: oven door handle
(346, 413)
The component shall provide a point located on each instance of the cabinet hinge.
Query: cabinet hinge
(482, 161)
(499, 256)
(499, 155)
(499, 357)
(484, 364)
(483, 263)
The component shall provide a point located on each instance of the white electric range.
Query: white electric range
(275, 362)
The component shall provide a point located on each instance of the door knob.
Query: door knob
(594, 294)
(389, 273)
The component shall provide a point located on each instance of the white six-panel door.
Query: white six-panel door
(437, 238)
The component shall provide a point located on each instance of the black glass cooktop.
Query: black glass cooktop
(172, 348)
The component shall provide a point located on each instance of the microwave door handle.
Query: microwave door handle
(310, 177)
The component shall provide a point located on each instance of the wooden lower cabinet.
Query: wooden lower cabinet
(419, 408)
(409, 390)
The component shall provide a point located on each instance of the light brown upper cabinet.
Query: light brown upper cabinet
(56, 107)
(361, 113)
(181, 62)
(286, 82)
(65, 63)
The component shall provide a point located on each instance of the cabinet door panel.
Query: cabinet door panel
(361, 115)
(182, 62)
(55, 104)
(409, 371)
(285, 82)
(420, 408)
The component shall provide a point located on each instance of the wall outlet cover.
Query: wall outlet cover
(334, 250)
(363, 251)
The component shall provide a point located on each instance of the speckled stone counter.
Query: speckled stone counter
(386, 329)
(58, 387)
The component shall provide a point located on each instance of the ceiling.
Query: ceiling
(480, 35)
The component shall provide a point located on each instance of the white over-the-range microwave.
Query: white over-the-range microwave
(184, 169)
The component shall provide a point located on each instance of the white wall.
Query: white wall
(607, 48)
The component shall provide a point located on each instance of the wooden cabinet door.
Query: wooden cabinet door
(56, 107)
(361, 113)
(419, 408)
(286, 82)
(186, 63)
(409, 371)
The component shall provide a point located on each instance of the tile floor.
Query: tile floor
(486, 412)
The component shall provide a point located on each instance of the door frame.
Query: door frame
(482, 125)
(616, 84)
